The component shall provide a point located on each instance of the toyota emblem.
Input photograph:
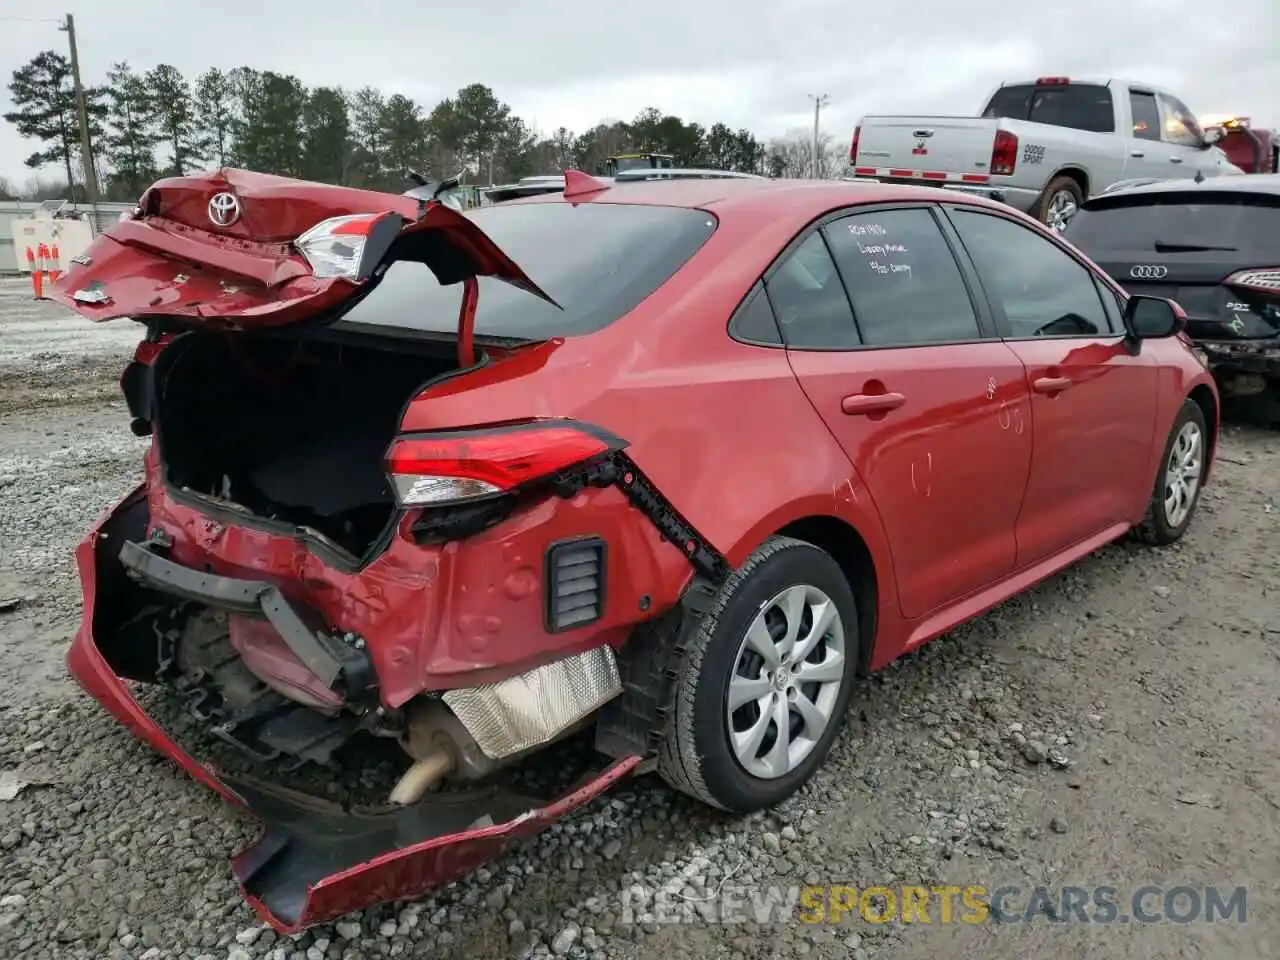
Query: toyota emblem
(1148, 271)
(224, 209)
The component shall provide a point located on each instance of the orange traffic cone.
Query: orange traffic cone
(55, 265)
(37, 276)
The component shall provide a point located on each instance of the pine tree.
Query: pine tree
(176, 117)
(131, 132)
(215, 115)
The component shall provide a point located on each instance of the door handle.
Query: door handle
(1136, 153)
(859, 404)
(1051, 384)
(1175, 159)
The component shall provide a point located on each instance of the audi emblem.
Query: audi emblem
(1148, 271)
(224, 209)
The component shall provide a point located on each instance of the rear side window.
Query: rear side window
(1181, 224)
(754, 322)
(809, 300)
(1146, 115)
(1041, 290)
(1081, 106)
(902, 278)
(598, 261)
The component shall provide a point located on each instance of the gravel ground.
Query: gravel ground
(1115, 726)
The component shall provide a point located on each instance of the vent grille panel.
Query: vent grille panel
(575, 579)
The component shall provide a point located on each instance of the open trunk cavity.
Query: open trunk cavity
(291, 430)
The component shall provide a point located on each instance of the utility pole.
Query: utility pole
(819, 101)
(86, 146)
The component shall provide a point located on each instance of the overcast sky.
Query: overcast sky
(744, 62)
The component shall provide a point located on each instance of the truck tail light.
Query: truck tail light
(853, 146)
(1265, 280)
(440, 469)
(1004, 153)
(1053, 81)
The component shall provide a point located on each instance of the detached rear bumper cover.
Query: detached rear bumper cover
(314, 861)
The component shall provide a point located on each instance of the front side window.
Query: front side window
(902, 278)
(809, 300)
(1180, 124)
(1041, 290)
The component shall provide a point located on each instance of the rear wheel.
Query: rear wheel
(1060, 202)
(1177, 489)
(763, 687)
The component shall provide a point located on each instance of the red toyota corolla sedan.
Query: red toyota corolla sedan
(665, 464)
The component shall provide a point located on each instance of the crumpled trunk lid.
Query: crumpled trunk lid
(218, 249)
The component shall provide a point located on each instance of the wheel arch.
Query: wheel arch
(850, 551)
(1077, 173)
(1204, 397)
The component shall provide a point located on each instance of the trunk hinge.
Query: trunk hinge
(620, 471)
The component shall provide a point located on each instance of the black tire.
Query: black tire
(695, 755)
(1058, 185)
(1156, 528)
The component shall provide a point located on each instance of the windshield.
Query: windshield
(1174, 224)
(597, 260)
(1081, 106)
(633, 163)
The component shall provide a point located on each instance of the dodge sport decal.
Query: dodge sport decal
(1033, 153)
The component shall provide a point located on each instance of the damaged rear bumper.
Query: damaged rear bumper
(316, 861)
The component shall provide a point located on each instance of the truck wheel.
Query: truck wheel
(1060, 202)
(765, 680)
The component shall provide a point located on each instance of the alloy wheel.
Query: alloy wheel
(1182, 473)
(786, 681)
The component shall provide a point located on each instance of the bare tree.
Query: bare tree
(792, 155)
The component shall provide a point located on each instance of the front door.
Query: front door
(932, 412)
(1093, 399)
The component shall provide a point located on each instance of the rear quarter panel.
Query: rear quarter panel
(722, 428)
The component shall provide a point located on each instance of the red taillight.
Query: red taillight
(1053, 82)
(440, 468)
(148, 350)
(1004, 153)
(1259, 280)
(853, 147)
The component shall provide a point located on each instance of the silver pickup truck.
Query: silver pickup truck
(1044, 146)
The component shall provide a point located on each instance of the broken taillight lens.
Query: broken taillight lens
(348, 247)
(443, 468)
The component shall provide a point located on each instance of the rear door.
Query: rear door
(931, 408)
(1188, 244)
(1149, 155)
(1093, 400)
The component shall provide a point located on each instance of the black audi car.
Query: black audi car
(1214, 246)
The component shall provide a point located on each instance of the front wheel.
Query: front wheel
(1177, 488)
(763, 687)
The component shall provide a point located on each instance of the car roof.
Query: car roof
(802, 200)
(1257, 184)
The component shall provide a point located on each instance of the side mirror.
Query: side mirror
(1213, 135)
(1153, 318)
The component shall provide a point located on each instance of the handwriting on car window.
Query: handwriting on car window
(878, 250)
